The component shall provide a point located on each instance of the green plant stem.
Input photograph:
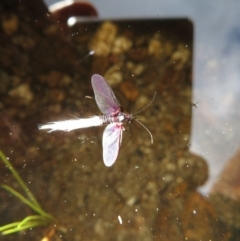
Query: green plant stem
(27, 202)
(33, 218)
(28, 225)
(31, 221)
(19, 179)
(8, 226)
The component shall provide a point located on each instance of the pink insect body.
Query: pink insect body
(114, 117)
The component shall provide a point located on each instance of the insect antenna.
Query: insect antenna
(84, 57)
(146, 105)
(74, 116)
(149, 132)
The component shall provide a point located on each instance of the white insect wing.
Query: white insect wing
(112, 138)
(104, 96)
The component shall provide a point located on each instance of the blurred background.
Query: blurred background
(42, 80)
(216, 113)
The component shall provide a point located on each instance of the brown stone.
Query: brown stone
(129, 90)
(138, 54)
(188, 217)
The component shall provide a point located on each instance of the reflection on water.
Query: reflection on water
(152, 188)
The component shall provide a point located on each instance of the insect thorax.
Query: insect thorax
(119, 118)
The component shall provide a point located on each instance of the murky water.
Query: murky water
(150, 192)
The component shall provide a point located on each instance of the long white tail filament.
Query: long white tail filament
(69, 125)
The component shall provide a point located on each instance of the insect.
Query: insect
(113, 117)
